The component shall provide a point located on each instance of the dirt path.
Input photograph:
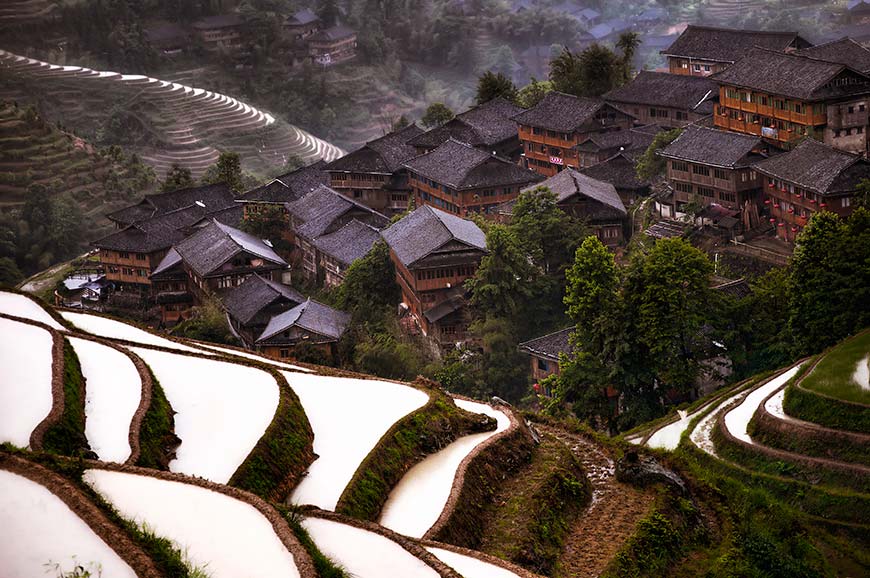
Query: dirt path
(611, 517)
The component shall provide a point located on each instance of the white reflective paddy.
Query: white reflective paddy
(209, 347)
(349, 417)
(417, 501)
(227, 537)
(105, 327)
(25, 380)
(737, 419)
(471, 567)
(38, 529)
(222, 410)
(21, 306)
(113, 392)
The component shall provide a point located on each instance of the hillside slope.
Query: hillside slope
(163, 122)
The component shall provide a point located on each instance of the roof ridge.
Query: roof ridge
(741, 30)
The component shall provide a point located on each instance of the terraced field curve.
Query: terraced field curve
(167, 123)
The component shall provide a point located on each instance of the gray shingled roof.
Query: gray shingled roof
(549, 346)
(667, 90)
(845, 51)
(383, 155)
(461, 166)
(291, 186)
(154, 234)
(170, 260)
(818, 167)
(312, 316)
(728, 45)
(426, 230)
(713, 147)
(619, 170)
(213, 197)
(319, 209)
(302, 17)
(570, 182)
(629, 140)
(216, 243)
(789, 75)
(351, 242)
(487, 124)
(244, 302)
(560, 112)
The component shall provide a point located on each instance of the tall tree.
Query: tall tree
(565, 73)
(437, 114)
(370, 288)
(227, 169)
(532, 93)
(650, 165)
(491, 85)
(627, 44)
(177, 178)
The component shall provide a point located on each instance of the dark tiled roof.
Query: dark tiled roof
(351, 242)
(153, 234)
(713, 147)
(132, 214)
(426, 230)
(619, 170)
(485, 125)
(666, 90)
(569, 182)
(549, 346)
(302, 17)
(788, 75)
(845, 51)
(232, 216)
(312, 316)
(462, 166)
(450, 305)
(383, 155)
(289, 187)
(818, 167)
(737, 288)
(244, 302)
(333, 34)
(632, 139)
(319, 209)
(560, 112)
(211, 197)
(728, 45)
(219, 21)
(170, 261)
(215, 244)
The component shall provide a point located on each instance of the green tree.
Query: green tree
(400, 123)
(437, 114)
(565, 74)
(268, 223)
(532, 93)
(207, 323)
(328, 12)
(369, 290)
(10, 274)
(650, 165)
(491, 85)
(627, 44)
(599, 70)
(592, 292)
(227, 169)
(176, 179)
(862, 193)
(505, 279)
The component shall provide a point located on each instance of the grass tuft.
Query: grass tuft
(67, 436)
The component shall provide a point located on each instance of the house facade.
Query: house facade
(463, 180)
(434, 253)
(221, 32)
(332, 46)
(706, 50)
(667, 100)
(787, 97)
(550, 131)
(810, 178)
(250, 306)
(544, 353)
(309, 324)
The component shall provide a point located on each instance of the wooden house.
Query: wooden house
(620, 170)
(810, 178)
(601, 146)
(488, 126)
(301, 25)
(332, 46)
(544, 354)
(550, 131)
(667, 100)
(786, 97)
(434, 253)
(704, 50)
(311, 323)
(251, 305)
(220, 32)
(461, 179)
(710, 166)
(374, 174)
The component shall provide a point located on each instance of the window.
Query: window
(140, 257)
(846, 202)
(720, 174)
(851, 109)
(285, 353)
(836, 133)
(706, 68)
(542, 365)
(860, 130)
(706, 192)
(682, 115)
(697, 67)
(701, 170)
(861, 108)
(124, 255)
(683, 187)
(727, 197)
(680, 166)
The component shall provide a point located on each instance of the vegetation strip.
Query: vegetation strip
(67, 435)
(833, 374)
(157, 439)
(408, 544)
(57, 381)
(407, 442)
(497, 456)
(85, 509)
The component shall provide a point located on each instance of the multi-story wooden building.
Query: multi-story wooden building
(221, 32)
(434, 253)
(489, 126)
(332, 46)
(704, 50)
(330, 231)
(373, 174)
(595, 202)
(843, 50)
(544, 354)
(710, 166)
(148, 229)
(620, 170)
(550, 131)
(311, 323)
(786, 97)
(169, 286)
(301, 25)
(285, 189)
(462, 180)
(600, 147)
(810, 178)
(668, 100)
(251, 305)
